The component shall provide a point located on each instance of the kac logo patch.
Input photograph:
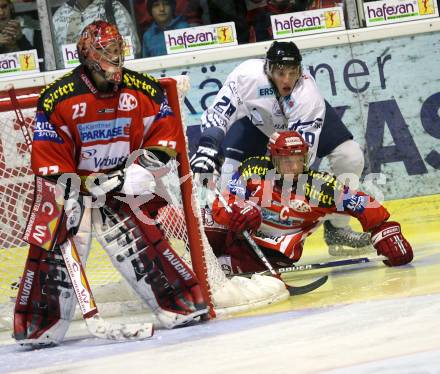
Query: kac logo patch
(300, 206)
(127, 102)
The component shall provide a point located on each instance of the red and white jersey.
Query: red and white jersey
(289, 216)
(79, 130)
(247, 91)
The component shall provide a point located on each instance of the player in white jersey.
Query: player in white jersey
(261, 96)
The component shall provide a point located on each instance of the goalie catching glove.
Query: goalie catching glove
(388, 240)
(135, 179)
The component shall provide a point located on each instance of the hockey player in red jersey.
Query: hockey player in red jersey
(90, 121)
(281, 209)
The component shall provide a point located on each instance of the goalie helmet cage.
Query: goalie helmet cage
(180, 221)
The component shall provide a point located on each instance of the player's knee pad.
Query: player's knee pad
(150, 266)
(45, 301)
(347, 158)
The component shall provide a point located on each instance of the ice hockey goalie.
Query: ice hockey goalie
(88, 124)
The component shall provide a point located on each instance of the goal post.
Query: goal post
(189, 198)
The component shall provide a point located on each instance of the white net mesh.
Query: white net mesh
(15, 200)
(111, 292)
(173, 223)
(16, 192)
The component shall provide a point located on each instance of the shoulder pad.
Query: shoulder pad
(60, 89)
(326, 183)
(144, 83)
(255, 166)
(326, 179)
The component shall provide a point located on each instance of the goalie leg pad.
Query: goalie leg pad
(150, 266)
(50, 222)
(45, 301)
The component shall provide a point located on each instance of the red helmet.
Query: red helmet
(101, 48)
(286, 144)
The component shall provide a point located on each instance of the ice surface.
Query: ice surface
(365, 319)
(387, 336)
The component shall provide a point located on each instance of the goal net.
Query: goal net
(181, 222)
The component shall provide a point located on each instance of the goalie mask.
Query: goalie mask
(288, 151)
(101, 49)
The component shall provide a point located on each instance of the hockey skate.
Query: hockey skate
(346, 242)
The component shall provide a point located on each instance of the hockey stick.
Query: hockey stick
(293, 290)
(96, 325)
(323, 265)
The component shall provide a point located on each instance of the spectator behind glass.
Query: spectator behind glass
(12, 38)
(260, 27)
(162, 11)
(192, 11)
(71, 18)
(231, 11)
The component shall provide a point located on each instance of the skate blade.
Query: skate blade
(340, 250)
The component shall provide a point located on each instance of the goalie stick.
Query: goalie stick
(293, 290)
(96, 325)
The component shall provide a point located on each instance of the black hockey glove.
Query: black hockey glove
(206, 160)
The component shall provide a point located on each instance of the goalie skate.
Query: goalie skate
(346, 242)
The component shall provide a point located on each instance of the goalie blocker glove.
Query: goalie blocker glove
(388, 240)
(206, 160)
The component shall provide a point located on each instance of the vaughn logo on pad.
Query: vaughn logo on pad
(202, 37)
(393, 11)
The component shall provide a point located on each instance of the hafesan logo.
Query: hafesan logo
(127, 102)
(225, 34)
(307, 22)
(426, 7)
(200, 37)
(27, 61)
(392, 11)
(332, 19)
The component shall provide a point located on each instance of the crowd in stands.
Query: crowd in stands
(18, 32)
(142, 22)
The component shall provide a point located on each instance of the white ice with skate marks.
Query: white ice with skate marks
(368, 319)
(399, 335)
